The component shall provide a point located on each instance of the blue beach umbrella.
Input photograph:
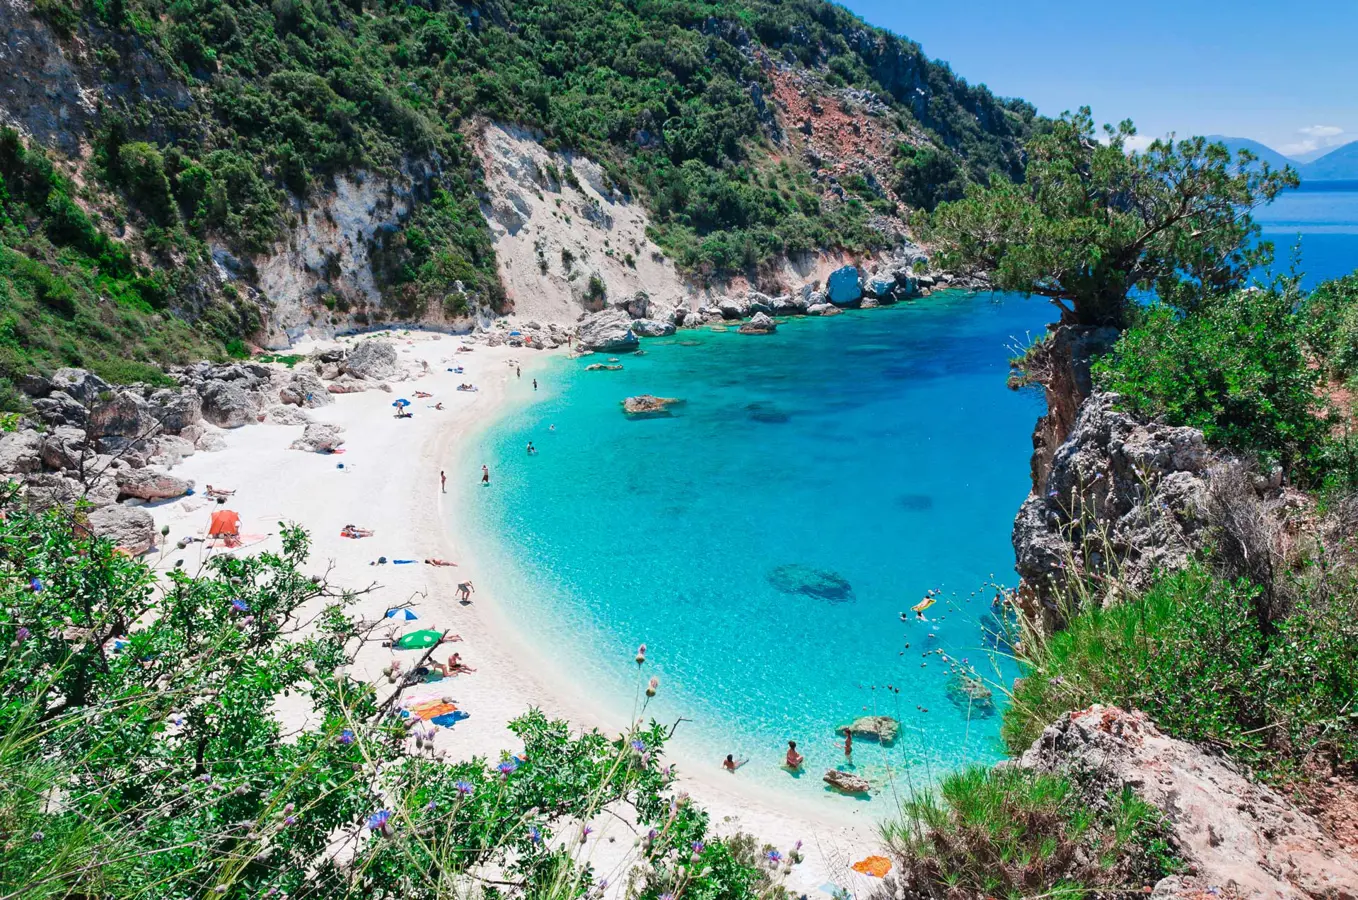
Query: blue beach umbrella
(409, 614)
(400, 403)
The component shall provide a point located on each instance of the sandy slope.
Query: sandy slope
(390, 483)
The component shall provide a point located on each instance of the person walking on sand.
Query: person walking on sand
(535, 384)
(443, 481)
(794, 759)
(518, 372)
(485, 474)
(464, 592)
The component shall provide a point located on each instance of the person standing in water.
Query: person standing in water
(531, 449)
(848, 745)
(485, 474)
(794, 759)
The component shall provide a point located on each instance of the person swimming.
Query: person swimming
(793, 760)
(730, 764)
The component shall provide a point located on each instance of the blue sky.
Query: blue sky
(1282, 73)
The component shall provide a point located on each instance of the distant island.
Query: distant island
(1338, 164)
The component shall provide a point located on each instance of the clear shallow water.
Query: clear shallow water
(882, 446)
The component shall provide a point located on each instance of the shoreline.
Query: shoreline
(387, 480)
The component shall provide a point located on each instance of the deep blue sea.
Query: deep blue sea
(881, 447)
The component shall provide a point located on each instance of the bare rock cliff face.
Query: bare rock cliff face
(1242, 838)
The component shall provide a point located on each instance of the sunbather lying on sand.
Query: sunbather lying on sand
(447, 639)
(213, 493)
(455, 666)
(439, 562)
(423, 395)
(353, 531)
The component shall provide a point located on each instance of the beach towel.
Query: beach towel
(403, 562)
(876, 866)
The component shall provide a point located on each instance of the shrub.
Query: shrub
(1008, 832)
(1194, 653)
(1234, 368)
(141, 167)
(1330, 314)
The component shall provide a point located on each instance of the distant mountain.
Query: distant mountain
(1340, 164)
(1265, 153)
(1311, 155)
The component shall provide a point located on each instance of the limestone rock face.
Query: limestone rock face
(844, 287)
(846, 782)
(62, 447)
(122, 415)
(1238, 834)
(373, 360)
(175, 410)
(129, 527)
(757, 302)
(320, 437)
(169, 450)
(306, 390)
(1124, 495)
(227, 404)
(789, 305)
(760, 324)
(150, 483)
(607, 331)
(883, 729)
(822, 309)
(652, 328)
(733, 308)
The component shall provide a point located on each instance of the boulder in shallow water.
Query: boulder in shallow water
(767, 413)
(603, 367)
(647, 406)
(970, 694)
(795, 578)
(652, 328)
(823, 309)
(760, 324)
(882, 729)
(847, 782)
(609, 331)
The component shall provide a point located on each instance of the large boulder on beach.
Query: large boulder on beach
(373, 361)
(760, 324)
(648, 406)
(150, 483)
(60, 408)
(227, 404)
(129, 527)
(883, 729)
(175, 410)
(121, 415)
(63, 447)
(287, 415)
(20, 451)
(795, 578)
(83, 387)
(845, 286)
(607, 331)
(847, 782)
(733, 307)
(320, 437)
(306, 390)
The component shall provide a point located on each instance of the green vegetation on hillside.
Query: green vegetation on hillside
(145, 755)
(242, 110)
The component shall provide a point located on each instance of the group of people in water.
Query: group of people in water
(793, 760)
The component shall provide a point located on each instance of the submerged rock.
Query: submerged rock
(602, 367)
(846, 782)
(882, 729)
(795, 578)
(647, 406)
(767, 413)
(969, 694)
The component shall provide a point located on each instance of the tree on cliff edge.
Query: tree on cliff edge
(1091, 222)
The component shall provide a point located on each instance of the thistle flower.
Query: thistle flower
(205, 778)
(585, 832)
(290, 820)
(35, 583)
(651, 688)
(507, 767)
(346, 737)
(641, 654)
(288, 808)
(378, 820)
(639, 745)
(22, 634)
(698, 848)
(240, 605)
(534, 834)
(464, 787)
(774, 857)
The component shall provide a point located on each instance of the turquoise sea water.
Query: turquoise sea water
(881, 446)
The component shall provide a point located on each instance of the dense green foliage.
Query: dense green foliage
(238, 111)
(1196, 654)
(69, 294)
(144, 755)
(1011, 833)
(1091, 223)
(1248, 369)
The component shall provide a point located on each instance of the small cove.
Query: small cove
(764, 540)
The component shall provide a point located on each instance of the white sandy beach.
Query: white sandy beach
(390, 483)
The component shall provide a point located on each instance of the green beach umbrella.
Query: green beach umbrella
(419, 640)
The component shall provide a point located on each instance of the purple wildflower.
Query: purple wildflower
(290, 820)
(534, 835)
(639, 745)
(346, 737)
(507, 767)
(464, 787)
(35, 583)
(774, 857)
(22, 634)
(240, 605)
(666, 896)
(378, 819)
